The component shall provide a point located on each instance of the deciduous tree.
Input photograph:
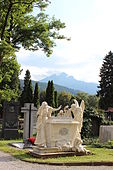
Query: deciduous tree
(9, 79)
(20, 28)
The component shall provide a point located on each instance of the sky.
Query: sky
(89, 23)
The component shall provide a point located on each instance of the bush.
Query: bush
(90, 141)
(108, 145)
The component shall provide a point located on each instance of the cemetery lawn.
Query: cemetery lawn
(99, 154)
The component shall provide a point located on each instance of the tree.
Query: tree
(82, 96)
(52, 102)
(27, 93)
(9, 79)
(56, 99)
(50, 94)
(105, 91)
(30, 92)
(93, 101)
(64, 99)
(18, 27)
(36, 96)
(42, 97)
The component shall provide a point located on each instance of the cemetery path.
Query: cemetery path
(7, 162)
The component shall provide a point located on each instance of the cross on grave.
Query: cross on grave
(29, 120)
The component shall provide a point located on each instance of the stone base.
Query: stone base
(54, 155)
(40, 152)
(44, 150)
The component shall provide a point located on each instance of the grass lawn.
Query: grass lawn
(99, 154)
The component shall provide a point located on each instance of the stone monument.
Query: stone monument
(105, 133)
(10, 120)
(60, 134)
(29, 120)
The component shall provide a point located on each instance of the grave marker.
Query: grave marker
(10, 120)
(29, 120)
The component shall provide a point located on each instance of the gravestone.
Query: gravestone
(105, 133)
(30, 120)
(10, 120)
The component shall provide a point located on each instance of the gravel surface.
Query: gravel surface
(7, 162)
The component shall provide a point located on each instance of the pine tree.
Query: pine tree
(52, 103)
(50, 93)
(30, 92)
(42, 96)
(27, 93)
(56, 99)
(36, 96)
(106, 82)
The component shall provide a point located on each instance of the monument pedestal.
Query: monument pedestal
(54, 152)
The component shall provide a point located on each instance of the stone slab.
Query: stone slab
(20, 145)
(52, 155)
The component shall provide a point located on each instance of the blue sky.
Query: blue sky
(89, 23)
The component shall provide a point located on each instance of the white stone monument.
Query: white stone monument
(61, 133)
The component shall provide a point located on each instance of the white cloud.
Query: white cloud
(91, 40)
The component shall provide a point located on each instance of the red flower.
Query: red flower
(32, 140)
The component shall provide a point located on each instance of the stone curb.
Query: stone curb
(73, 163)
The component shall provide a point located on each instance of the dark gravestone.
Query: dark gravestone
(10, 120)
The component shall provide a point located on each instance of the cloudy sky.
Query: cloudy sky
(89, 23)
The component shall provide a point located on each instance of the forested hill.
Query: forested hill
(42, 86)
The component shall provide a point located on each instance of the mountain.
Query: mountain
(70, 82)
(42, 86)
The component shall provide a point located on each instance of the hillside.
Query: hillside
(42, 86)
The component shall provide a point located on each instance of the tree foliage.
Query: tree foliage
(106, 82)
(19, 27)
(30, 92)
(9, 79)
(36, 96)
(64, 99)
(50, 94)
(42, 96)
(56, 98)
(27, 93)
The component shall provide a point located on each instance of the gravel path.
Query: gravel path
(7, 162)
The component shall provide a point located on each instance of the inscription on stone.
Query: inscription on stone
(63, 131)
(11, 109)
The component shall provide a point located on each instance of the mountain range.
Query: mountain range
(63, 79)
(42, 86)
(63, 82)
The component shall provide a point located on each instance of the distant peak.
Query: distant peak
(63, 74)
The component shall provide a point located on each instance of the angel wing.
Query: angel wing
(82, 105)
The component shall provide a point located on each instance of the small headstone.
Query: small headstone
(105, 133)
(10, 120)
